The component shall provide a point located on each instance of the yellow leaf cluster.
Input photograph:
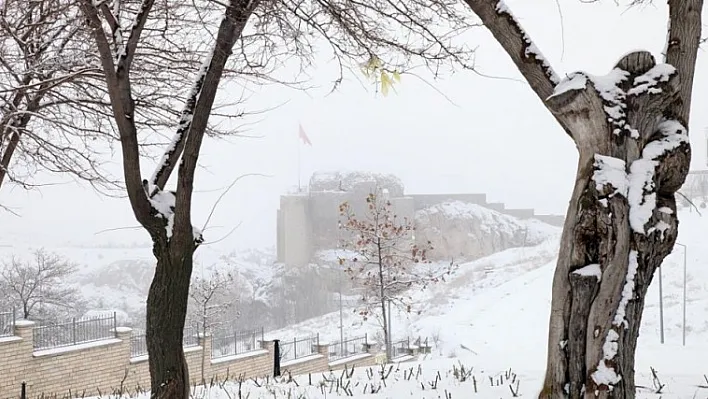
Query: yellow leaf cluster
(373, 69)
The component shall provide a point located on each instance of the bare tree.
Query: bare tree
(386, 262)
(630, 128)
(210, 298)
(55, 113)
(39, 286)
(277, 30)
(210, 301)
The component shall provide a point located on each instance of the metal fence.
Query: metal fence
(138, 342)
(190, 337)
(400, 348)
(348, 347)
(7, 324)
(74, 332)
(228, 342)
(299, 348)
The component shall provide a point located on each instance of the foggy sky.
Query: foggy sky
(489, 135)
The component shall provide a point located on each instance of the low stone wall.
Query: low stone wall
(103, 367)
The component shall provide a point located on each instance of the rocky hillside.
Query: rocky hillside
(465, 231)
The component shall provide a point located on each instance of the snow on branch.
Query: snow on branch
(606, 374)
(530, 50)
(611, 172)
(641, 193)
(112, 18)
(507, 30)
(615, 89)
(174, 150)
(592, 270)
(124, 53)
(638, 185)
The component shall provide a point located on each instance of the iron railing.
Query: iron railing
(7, 324)
(227, 342)
(74, 332)
(348, 347)
(400, 348)
(138, 342)
(138, 345)
(299, 348)
(190, 336)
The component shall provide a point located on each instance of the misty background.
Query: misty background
(469, 133)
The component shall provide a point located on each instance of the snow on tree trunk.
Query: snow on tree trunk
(620, 225)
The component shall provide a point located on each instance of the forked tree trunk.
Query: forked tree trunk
(166, 311)
(620, 225)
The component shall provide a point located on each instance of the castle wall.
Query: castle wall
(426, 200)
(296, 233)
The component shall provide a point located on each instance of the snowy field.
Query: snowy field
(433, 379)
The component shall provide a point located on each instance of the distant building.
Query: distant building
(308, 221)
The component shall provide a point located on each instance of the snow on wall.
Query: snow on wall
(355, 181)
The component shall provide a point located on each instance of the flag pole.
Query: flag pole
(299, 189)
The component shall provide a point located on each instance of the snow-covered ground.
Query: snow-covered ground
(492, 316)
(465, 377)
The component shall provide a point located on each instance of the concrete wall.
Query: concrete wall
(520, 213)
(427, 200)
(103, 366)
(297, 230)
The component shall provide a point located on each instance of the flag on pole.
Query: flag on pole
(303, 136)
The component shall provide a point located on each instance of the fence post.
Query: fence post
(366, 339)
(23, 390)
(115, 324)
(318, 339)
(276, 358)
(295, 346)
(235, 343)
(73, 330)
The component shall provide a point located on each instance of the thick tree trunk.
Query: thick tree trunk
(166, 311)
(620, 225)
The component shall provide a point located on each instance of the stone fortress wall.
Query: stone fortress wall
(308, 221)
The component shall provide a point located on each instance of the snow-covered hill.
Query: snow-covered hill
(117, 278)
(497, 307)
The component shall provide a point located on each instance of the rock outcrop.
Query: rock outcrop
(465, 231)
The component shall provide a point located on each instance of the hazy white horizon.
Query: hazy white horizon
(492, 136)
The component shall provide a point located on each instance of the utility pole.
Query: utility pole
(389, 349)
(661, 308)
(341, 318)
(684, 293)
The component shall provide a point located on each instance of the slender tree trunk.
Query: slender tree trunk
(382, 295)
(166, 311)
(620, 225)
(204, 332)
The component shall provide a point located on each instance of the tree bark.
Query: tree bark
(166, 312)
(166, 215)
(630, 131)
(634, 156)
